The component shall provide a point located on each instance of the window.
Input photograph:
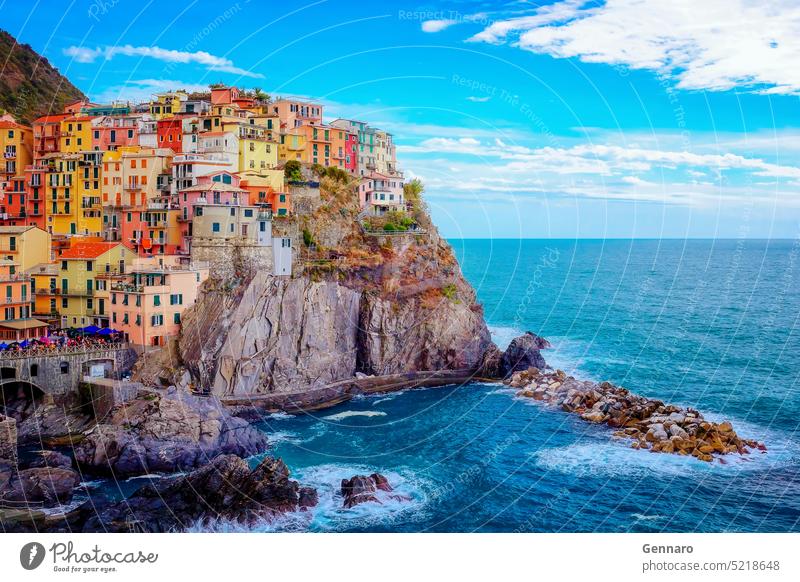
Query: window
(65, 367)
(34, 370)
(215, 227)
(64, 265)
(89, 266)
(248, 213)
(176, 299)
(157, 300)
(176, 318)
(64, 303)
(156, 320)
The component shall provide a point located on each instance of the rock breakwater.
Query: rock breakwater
(648, 424)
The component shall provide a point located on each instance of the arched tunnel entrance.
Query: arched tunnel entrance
(18, 398)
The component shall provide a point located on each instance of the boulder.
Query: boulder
(225, 489)
(162, 433)
(50, 459)
(363, 489)
(523, 353)
(49, 486)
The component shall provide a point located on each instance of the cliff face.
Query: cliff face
(385, 305)
(29, 85)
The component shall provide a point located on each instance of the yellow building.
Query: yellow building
(256, 152)
(16, 145)
(76, 135)
(167, 104)
(25, 245)
(73, 201)
(292, 146)
(86, 271)
(132, 176)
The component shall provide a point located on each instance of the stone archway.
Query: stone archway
(19, 398)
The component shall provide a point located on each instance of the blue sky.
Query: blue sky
(625, 118)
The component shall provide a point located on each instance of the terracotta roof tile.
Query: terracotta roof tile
(87, 250)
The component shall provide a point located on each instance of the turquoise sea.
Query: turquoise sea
(710, 324)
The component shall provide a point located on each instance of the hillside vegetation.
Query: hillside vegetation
(29, 85)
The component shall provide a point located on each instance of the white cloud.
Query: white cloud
(712, 45)
(437, 25)
(212, 62)
(459, 166)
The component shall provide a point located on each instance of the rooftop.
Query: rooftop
(88, 250)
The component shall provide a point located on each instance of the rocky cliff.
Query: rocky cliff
(358, 304)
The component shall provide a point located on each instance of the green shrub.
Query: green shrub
(293, 171)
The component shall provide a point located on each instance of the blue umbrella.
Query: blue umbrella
(105, 331)
(24, 343)
(3, 346)
(90, 329)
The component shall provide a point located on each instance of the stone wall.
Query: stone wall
(225, 260)
(305, 199)
(8, 438)
(60, 372)
(102, 394)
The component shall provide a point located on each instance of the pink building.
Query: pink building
(219, 188)
(147, 307)
(379, 194)
(109, 133)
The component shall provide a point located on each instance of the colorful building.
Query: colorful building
(256, 151)
(16, 323)
(24, 245)
(86, 271)
(110, 133)
(267, 188)
(292, 146)
(16, 143)
(44, 287)
(379, 194)
(167, 104)
(47, 135)
(293, 112)
(170, 133)
(148, 305)
(76, 134)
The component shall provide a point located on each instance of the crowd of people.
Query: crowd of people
(89, 338)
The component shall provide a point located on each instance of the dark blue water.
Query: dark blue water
(711, 324)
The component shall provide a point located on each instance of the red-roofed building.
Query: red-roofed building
(86, 269)
(47, 134)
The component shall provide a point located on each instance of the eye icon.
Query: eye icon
(31, 555)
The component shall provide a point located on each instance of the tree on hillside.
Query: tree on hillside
(293, 171)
